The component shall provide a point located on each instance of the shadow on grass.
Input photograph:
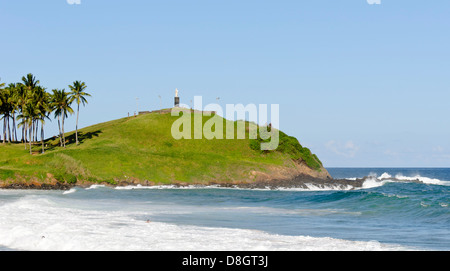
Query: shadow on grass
(71, 139)
(53, 142)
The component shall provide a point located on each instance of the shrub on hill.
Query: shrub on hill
(291, 146)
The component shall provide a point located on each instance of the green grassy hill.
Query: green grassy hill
(142, 150)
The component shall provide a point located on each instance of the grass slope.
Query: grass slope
(142, 148)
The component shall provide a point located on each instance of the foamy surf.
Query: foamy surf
(315, 187)
(424, 180)
(70, 191)
(374, 181)
(308, 187)
(95, 186)
(346, 184)
(35, 225)
(226, 218)
(386, 177)
(353, 183)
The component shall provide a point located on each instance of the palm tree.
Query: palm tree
(32, 100)
(14, 107)
(42, 102)
(6, 108)
(61, 102)
(30, 81)
(1, 99)
(79, 95)
(1, 87)
(21, 100)
(31, 85)
(55, 99)
(27, 117)
(3, 107)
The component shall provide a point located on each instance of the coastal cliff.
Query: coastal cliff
(141, 150)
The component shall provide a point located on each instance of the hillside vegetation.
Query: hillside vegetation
(142, 150)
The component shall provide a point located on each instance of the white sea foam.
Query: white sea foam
(159, 187)
(309, 187)
(424, 180)
(399, 177)
(34, 223)
(315, 187)
(95, 186)
(72, 190)
(385, 176)
(372, 183)
(351, 179)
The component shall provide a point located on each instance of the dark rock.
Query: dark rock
(24, 186)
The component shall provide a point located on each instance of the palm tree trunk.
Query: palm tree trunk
(36, 126)
(23, 128)
(4, 129)
(63, 134)
(31, 135)
(9, 130)
(14, 128)
(76, 128)
(60, 134)
(34, 131)
(31, 131)
(42, 137)
(24, 134)
(37, 130)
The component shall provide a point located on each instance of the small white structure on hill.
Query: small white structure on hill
(177, 99)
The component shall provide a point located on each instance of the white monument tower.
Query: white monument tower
(177, 99)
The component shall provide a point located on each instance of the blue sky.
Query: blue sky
(361, 85)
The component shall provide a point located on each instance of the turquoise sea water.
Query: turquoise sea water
(386, 214)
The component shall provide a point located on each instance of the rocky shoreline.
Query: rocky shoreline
(303, 182)
(34, 186)
(299, 182)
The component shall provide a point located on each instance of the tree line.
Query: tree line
(26, 105)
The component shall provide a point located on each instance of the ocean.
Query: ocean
(408, 213)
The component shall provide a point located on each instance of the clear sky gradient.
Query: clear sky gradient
(361, 85)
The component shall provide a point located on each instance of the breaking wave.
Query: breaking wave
(39, 224)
